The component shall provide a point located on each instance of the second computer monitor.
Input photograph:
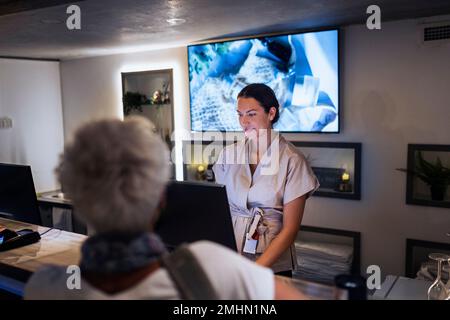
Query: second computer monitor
(17, 194)
(196, 211)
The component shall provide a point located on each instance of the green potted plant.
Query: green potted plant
(132, 101)
(435, 175)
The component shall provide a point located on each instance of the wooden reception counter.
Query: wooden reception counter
(63, 248)
(55, 247)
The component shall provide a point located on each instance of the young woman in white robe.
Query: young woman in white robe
(268, 181)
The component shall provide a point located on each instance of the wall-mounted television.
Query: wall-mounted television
(302, 69)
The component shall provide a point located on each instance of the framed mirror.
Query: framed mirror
(428, 175)
(417, 262)
(337, 166)
(198, 158)
(150, 94)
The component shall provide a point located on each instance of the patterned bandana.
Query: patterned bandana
(119, 253)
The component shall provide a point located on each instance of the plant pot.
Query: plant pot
(438, 192)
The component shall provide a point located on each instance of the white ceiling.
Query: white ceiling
(116, 26)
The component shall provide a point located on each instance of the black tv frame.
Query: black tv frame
(274, 34)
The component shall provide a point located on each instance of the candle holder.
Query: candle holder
(345, 185)
(200, 172)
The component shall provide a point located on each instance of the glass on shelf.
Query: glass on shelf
(447, 286)
(438, 290)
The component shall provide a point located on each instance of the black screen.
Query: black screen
(196, 211)
(17, 194)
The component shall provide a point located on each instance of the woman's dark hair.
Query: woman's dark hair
(264, 95)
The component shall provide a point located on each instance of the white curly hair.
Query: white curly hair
(115, 173)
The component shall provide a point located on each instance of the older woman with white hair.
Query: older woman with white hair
(116, 172)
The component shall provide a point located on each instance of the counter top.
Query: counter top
(55, 196)
(402, 288)
(55, 247)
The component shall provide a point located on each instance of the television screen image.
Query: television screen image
(301, 68)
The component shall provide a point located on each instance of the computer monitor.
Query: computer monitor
(18, 199)
(196, 211)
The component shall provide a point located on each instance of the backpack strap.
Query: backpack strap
(188, 275)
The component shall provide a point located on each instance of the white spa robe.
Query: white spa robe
(278, 179)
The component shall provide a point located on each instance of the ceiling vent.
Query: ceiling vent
(435, 33)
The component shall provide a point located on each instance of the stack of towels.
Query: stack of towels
(321, 262)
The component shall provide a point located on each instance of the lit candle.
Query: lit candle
(200, 168)
(345, 177)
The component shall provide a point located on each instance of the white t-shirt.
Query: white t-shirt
(232, 277)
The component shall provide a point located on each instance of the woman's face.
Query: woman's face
(253, 117)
